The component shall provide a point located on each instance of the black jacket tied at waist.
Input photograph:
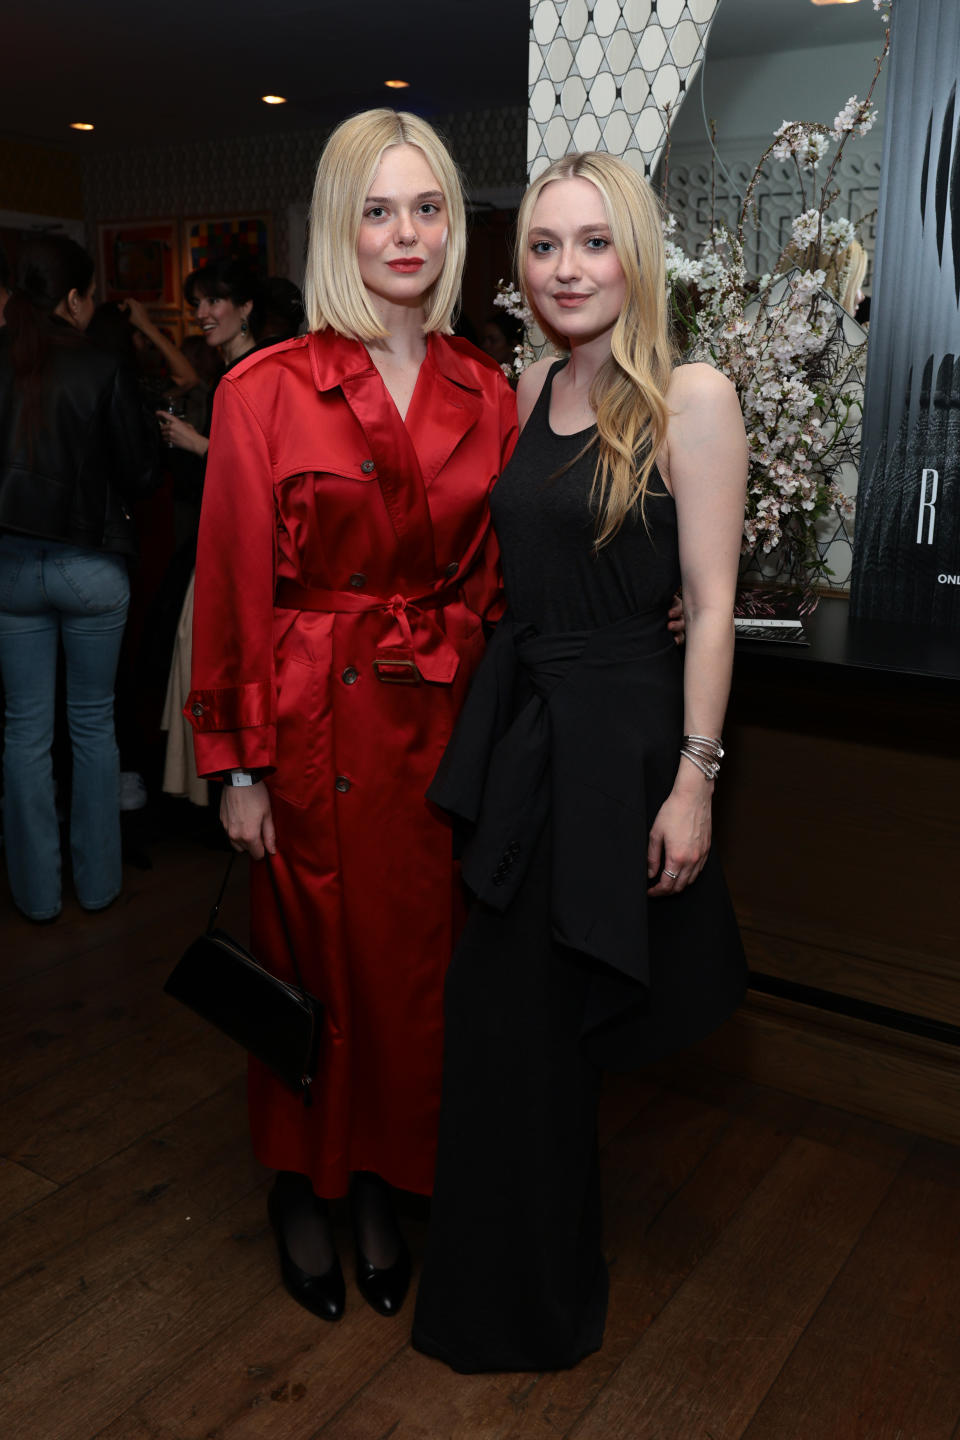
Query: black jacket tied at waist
(583, 730)
(585, 727)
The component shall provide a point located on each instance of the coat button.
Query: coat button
(452, 569)
(368, 467)
(358, 581)
(350, 676)
(197, 709)
(342, 784)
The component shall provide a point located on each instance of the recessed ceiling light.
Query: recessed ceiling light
(397, 84)
(80, 125)
(274, 99)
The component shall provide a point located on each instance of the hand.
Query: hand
(676, 623)
(680, 836)
(181, 434)
(246, 816)
(136, 312)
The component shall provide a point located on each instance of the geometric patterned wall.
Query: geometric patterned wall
(600, 75)
(695, 194)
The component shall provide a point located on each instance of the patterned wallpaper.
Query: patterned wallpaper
(40, 180)
(601, 74)
(274, 173)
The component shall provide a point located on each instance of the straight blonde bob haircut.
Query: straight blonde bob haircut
(628, 391)
(334, 293)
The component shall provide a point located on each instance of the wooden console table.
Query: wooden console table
(838, 818)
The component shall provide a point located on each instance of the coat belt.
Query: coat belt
(424, 647)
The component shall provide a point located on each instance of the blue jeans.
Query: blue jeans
(51, 592)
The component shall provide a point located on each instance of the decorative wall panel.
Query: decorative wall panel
(907, 550)
(601, 75)
(689, 195)
(273, 173)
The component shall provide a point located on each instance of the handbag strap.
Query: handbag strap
(211, 923)
(283, 919)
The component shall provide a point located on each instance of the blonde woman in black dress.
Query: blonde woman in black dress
(582, 771)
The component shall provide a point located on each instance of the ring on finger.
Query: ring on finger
(673, 874)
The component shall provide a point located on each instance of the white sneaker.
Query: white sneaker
(133, 792)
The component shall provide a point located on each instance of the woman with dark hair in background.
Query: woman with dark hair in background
(238, 314)
(74, 452)
(226, 296)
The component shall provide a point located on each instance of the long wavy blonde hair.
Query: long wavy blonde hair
(627, 394)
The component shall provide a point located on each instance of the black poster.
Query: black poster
(907, 545)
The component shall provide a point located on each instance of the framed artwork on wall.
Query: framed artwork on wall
(215, 237)
(140, 259)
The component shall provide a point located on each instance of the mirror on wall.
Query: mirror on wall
(765, 64)
(791, 61)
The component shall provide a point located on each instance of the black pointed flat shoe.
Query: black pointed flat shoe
(384, 1289)
(323, 1295)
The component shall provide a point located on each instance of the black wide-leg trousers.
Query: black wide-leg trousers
(514, 1276)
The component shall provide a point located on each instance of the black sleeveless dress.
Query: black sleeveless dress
(566, 749)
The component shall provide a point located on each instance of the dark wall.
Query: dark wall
(907, 547)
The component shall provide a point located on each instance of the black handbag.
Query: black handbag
(223, 983)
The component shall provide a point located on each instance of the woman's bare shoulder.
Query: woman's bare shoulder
(530, 384)
(703, 403)
(696, 383)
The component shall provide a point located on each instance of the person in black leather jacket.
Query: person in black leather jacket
(75, 452)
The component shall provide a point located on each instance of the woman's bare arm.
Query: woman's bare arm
(705, 465)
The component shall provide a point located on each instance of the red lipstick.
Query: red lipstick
(406, 267)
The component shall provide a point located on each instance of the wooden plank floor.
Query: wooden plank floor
(779, 1270)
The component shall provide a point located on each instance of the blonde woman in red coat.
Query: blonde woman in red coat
(344, 572)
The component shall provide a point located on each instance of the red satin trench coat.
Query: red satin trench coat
(344, 567)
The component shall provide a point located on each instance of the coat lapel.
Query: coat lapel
(345, 363)
(444, 409)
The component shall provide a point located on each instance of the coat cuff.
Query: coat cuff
(234, 728)
(221, 750)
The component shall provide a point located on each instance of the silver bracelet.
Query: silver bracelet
(703, 751)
